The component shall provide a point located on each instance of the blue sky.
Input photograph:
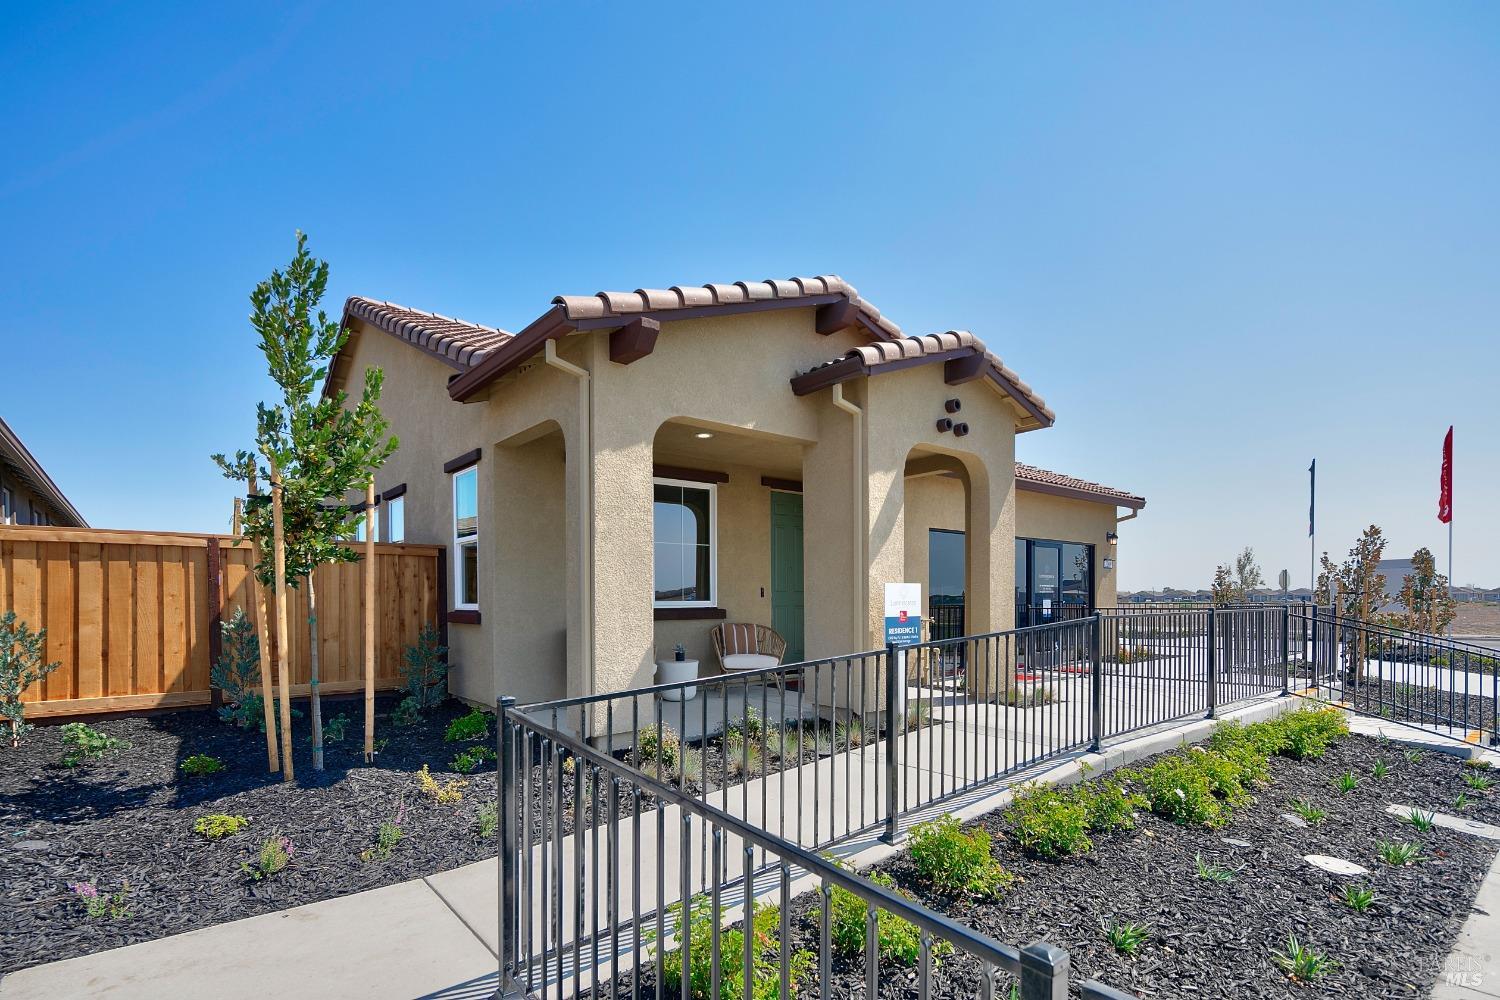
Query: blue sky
(1218, 239)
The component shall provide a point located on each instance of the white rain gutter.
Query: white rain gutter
(585, 470)
(861, 515)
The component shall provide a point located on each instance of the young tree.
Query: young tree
(1223, 591)
(319, 447)
(1247, 575)
(1424, 595)
(1361, 588)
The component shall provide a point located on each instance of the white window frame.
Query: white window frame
(368, 519)
(459, 544)
(713, 545)
(392, 505)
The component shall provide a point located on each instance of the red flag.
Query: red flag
(1445, 487)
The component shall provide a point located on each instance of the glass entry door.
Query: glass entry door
(1046, 582)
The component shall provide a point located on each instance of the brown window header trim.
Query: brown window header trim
(462, 462)
(785, 485)
(690, 475)
(463, 616)
(688, 614)
(394, 492)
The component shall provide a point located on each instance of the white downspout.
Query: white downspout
(585, 470)
(861, 515)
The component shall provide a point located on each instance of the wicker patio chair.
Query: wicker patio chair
(743, 646)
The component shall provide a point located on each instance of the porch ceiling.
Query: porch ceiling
(678, 444)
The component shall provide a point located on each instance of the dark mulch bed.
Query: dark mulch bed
(1215, 940)
(1411, 702)
(129, 815)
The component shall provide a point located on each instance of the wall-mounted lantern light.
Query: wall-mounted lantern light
(1111, 537)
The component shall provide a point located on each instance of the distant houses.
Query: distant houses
(1264, 595)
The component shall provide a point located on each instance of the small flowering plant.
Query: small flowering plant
(272, 859)
(100, 905)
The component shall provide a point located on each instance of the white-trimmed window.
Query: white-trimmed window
(371, 517)
(466, 538)
(395, 520)
(685, 549)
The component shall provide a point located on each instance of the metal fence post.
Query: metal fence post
(1213, 664)
(505, 774)
(894, 730)
(1286, 649)
(1096, 692)
(1044, 972)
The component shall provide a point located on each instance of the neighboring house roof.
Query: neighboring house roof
(29, 471)
(1029, 477)
(483, 354)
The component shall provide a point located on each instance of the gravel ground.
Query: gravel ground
(128, 816)
(1215, 940)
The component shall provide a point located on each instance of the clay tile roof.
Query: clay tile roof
(1059, 483)
(460, 343)
(604, 304)
(933, 345)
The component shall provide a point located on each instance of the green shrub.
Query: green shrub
(900, 940)
(336, 729)
(1050, 822)
(1266, 738)
(957, 862)
(424, 670)
(386, 839)
(1110, 805)
(408, 712)
(488, 823)
(237, 671)
(21, 654)
(217, 826)
(655, 745)
(202, 765)
(271, 860)
(1127, 937)
(1309, 734)
(471, 759)
(1178, 789)
(765, 955)
(1229, 775)
(87, 743)
(474, 726)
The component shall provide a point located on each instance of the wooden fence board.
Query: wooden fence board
(128, 614)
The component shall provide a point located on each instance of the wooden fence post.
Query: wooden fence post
(263, 637)
(215, 619)
(283, 666)
(370, 621)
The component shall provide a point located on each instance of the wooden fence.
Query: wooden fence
(133, 617)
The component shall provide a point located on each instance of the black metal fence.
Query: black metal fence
(628, 816)
(1401, 675)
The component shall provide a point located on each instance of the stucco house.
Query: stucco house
(27, 493)
(630, 469)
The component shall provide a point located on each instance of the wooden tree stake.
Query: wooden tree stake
(370, 621)
(263, 635)
(283, 633)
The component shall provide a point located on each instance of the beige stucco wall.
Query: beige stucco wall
(565, 497)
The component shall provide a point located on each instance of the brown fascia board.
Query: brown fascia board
(32, 472)
(554, 324)
(1073, 493)
(1010, 389)
(848, 368)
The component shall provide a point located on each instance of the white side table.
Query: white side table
(676, 672)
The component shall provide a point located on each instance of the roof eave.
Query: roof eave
(38, 477)
(1074, 493)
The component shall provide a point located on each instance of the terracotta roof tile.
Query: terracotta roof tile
(462, 343)
(1046, 478)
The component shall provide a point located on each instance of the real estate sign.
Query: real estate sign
(903, 613)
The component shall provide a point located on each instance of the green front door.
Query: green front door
(786, 571)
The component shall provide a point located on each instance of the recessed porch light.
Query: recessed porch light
(703, 434)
